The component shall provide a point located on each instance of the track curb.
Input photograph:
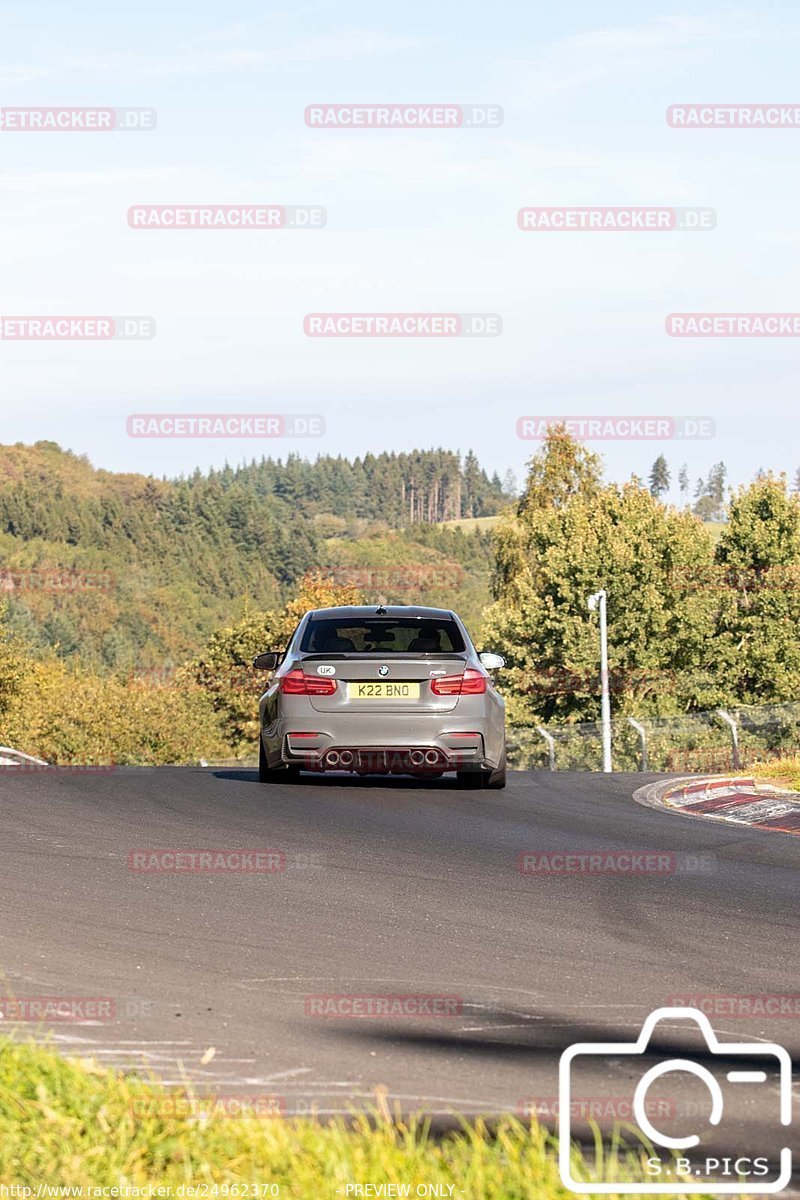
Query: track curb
(735, 800)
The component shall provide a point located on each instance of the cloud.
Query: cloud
(14, 76)
(195, 60)
(667, 33)
(582, 59)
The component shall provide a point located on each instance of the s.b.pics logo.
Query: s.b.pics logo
(712, 1085)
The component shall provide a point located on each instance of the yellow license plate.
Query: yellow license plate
(383, 691)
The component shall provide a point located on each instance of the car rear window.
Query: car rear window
(397, 635)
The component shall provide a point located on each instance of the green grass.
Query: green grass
(784, 771)
(71, 1123)
(483, 523)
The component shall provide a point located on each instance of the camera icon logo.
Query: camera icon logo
(676, 1174)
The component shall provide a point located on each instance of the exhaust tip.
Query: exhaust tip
(346, 758)
(417, 758)
(431, 757)
(332, 758)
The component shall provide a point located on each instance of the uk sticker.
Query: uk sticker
(326, 669)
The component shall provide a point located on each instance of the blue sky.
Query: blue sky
(417, 221)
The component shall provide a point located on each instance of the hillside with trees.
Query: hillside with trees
(129, 571)
(183, 581)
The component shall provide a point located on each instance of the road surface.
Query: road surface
(407, 889)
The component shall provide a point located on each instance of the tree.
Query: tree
(562, 469)
(716, 483)
(511, 487)
(683, 483)
(551, 556)
(659, 477)
(710, 494)
(758, 556)
(472, 486)
(224, 669)
(12, 665)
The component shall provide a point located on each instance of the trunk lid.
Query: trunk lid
(414, 669)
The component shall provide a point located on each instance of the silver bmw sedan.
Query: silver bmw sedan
(395, 690)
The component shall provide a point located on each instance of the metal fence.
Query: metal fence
(697, 743)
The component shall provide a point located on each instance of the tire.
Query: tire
(497, 779)
(264, 773)
(493, 778)
(267, 774)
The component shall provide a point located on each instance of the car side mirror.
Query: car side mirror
(268, 661)
(492, 662)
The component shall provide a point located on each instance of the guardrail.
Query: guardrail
(12, 758)
(688, 743)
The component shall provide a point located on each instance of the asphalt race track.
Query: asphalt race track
(411, 888)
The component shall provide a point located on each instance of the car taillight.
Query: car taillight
(471, 683)
(297, 683)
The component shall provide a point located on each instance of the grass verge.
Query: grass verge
(784, 772)
(70, 1123)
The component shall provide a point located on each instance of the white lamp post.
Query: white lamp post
(598, 600)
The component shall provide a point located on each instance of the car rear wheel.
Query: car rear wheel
(264, 773)
(497, 779)
(494, 778)
(267, 774)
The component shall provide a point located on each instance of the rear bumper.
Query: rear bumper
(444, 746)
(384, 760)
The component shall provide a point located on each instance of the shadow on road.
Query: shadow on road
(547, 1035)
(537, 1041)
(343, 780)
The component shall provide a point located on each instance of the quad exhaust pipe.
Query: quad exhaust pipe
(395, 759)
(339, 758)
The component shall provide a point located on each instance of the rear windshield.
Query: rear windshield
(396, 635)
